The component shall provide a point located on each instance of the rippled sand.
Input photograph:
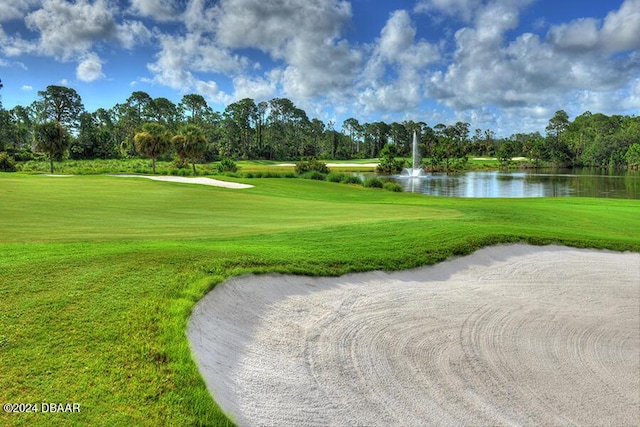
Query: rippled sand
(510, 335)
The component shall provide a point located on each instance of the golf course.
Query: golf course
(99, 274)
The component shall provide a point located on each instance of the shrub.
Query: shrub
(227, 165)
(319, 176)
(388, 162)
(180, 163)
(24, 155)
(352, 179)
(373, 182)
(311, 164)
(336, 177)
(392, 186)
(7, 163)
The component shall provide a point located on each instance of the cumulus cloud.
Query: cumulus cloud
(67, 29)
(182, 58)
(305, 34)
(489, 69)
(396, 53)
(74, 31)
(463, 9)
(259, 88)
(273, 26)
(618, 32)
(15, 9)
(90, 68)
(159, 10)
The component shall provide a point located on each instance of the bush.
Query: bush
(24, 155)
(312, 164)
(352, 179)
(373, 182)
(227, 165)
(336, 177)
(7, 164)
(392, 186)
(180, 163)
(319, 176)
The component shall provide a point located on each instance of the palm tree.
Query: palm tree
(52, 138)
(153, 141)
(190, 144)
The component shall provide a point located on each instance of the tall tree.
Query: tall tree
(354, 130)
(239, 120)
(62, 104)
(140, 102)
(164, 112)
(193, 107)
(52, 138)
(557, 146)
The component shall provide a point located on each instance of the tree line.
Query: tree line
(58, 124)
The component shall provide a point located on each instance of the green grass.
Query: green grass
(98, 274)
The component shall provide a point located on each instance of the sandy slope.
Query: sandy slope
(202, 180)
(511, 335)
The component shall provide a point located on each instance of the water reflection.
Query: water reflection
(565, 183)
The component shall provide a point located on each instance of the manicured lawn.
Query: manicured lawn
(98, 274)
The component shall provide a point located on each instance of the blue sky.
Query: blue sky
(506, 65)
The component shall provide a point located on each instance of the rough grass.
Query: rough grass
(98, 274)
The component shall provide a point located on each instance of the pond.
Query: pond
(535, 183)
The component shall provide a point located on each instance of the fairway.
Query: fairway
(99, 274)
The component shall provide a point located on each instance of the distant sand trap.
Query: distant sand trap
(338, 165)
(202, 181)
(510, 335)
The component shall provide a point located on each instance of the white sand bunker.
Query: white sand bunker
(202, 180)
(511, 335)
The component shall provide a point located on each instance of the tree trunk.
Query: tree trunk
(194, 168)
(153, 165)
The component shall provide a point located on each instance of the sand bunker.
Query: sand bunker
(201, 181)
(338, 165)
(511, 335)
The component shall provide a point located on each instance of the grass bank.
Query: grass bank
(98, 274)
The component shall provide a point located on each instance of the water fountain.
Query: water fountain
(415, 171)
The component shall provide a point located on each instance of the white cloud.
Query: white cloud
(258, 88)
(90, 68)
(26, 88)
(304, 34)
(68, 29)
(462, 9)
(621, 28)
(180, 57)
(396, 53)
(618, 32)
(570, 67)
(159, 10)
(15, 9)
(632, 99)
(580, 35)
(272, 26)
(133, 33)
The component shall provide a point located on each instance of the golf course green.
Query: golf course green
(99, 274)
